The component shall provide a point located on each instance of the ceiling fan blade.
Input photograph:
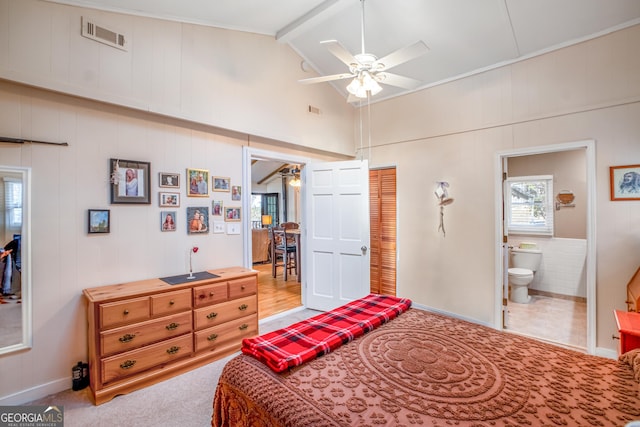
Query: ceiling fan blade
(340, 52)
(397, 80)
(326, 78)
(402, 55)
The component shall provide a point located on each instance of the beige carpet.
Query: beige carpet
(182, 401)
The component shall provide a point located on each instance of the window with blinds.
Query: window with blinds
(13, 202)
(529, 205)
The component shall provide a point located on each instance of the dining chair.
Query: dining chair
(283, 252)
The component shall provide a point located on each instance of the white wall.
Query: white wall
(452, 132)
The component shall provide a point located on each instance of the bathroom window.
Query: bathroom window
(529, 205)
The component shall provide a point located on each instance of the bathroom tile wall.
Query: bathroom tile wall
(562, 270)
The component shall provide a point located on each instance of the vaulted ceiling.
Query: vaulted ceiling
(462, 36)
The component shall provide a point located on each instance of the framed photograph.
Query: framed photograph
(197, 220)
(168, 220)
(235, 192)
(130, 181)
(625, 182)
(99, 221)
(221, 183)
(169, 200)
(197, 183)
(216, 207)
(169, 180)
(232, 214)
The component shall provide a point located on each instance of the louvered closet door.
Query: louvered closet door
(382, 210)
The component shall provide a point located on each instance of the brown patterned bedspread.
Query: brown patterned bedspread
(426, 369)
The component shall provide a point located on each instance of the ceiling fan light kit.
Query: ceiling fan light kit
(367, 70)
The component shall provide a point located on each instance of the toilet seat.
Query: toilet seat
(519, 272)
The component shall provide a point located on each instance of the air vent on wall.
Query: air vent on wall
(96, 32)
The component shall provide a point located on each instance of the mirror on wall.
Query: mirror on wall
(15, 262)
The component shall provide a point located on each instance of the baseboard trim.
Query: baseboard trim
(37, 392)
(555, 295)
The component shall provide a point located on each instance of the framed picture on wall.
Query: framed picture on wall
(197, 183)
(169, 200)
(625, 182)
(216, 207)
(232, 214)
(99, 221)
(236, 192)
(197, 220)
(169, 180)
(130, 181)
(221, 183)
(168, 220)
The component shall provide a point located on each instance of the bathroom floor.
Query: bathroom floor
(555, 319)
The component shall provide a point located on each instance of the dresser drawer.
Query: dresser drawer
(227, 333)
(170, 302)
(242, 287)
(210, 294)
(125, 311)
(223, 312)
(128, 337)
(135, 361)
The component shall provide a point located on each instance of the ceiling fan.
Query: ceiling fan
(367, 70)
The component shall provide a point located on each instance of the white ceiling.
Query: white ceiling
(463, 36)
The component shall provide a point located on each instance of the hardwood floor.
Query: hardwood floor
(274, 294)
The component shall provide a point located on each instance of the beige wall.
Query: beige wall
(228, 79)
(452, 132)
(569, 170)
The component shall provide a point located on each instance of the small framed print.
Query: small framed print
(197, 183)
(99, 221)
(168, 220)
(221, 183)
(169, 200)
(169, 180)
(235, 192)
(130, 181)
(625, 182)
(197, 220)
(216, 207)
(232, 214)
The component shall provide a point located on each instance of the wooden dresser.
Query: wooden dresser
(144, 332)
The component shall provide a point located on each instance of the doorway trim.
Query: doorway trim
(590, 261)
(248, 154)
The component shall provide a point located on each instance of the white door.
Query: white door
(336, 254)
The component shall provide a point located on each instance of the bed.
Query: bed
(427, 369)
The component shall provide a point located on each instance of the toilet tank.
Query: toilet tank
(526, 258)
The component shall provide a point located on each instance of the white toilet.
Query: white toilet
(525, 260)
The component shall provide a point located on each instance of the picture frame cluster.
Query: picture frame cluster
(130, 183)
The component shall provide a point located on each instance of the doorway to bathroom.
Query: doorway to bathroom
(560, 306)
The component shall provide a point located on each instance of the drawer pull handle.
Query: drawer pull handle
(212, 337)
(125, 312)
(201, 296)
(212, 315)
(172, 326)
(243, 326)
(173, 350)
(243, 307)
(242, 287)
(127, 364)
(211, 293)
(126, 338)
(172, 302)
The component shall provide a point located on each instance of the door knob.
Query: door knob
(363, 249)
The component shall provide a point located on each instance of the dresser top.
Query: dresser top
(151, 286)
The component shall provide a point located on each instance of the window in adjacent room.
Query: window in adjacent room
(13, 203)
(529, 205)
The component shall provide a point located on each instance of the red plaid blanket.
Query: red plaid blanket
(318, 335)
